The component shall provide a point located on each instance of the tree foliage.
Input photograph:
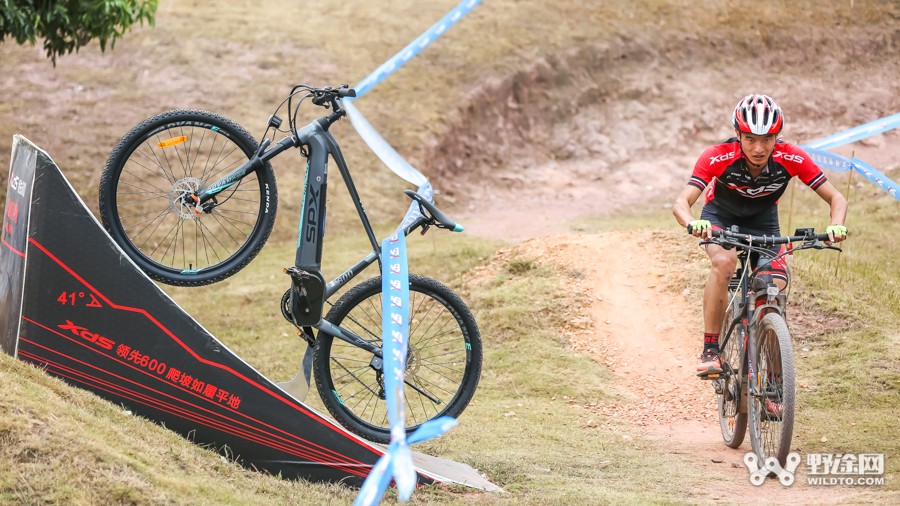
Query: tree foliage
(66, 25)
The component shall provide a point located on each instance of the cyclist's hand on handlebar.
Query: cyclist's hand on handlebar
(836, 233)
(700, 228)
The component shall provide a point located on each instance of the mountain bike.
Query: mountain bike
(757, 383)
(190, 196)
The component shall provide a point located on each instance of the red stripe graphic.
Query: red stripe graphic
(155, 403)
(322, 450)
(289, 402)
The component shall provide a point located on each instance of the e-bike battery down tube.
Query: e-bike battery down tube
(307, 297)
(312, 226)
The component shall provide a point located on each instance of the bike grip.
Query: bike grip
(443, 220)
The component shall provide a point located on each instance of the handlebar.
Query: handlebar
(759, 243)
(803, 235)
(327, 95)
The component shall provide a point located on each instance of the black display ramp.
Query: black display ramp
(73, 303)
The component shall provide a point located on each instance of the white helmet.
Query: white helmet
(758, 114)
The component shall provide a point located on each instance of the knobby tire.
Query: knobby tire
(173, 154)
(732, 415)
(444, 358)
(770, 434)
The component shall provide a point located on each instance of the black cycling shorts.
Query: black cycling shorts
(763, 223)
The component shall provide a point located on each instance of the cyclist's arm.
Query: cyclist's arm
(682, 206)
(838, 204)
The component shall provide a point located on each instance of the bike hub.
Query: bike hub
(182, 201)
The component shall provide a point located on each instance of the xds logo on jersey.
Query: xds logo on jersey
(753, 193)
(788, 156)
(721, 158)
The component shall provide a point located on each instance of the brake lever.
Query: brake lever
(429, 219)
(724, 245)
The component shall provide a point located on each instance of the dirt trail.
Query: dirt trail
(634, 322)
(616, 128)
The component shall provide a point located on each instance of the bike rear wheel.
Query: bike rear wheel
(732, 415)
(772, 397)
(145, 204)
(443, 362)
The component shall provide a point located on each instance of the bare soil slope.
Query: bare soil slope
(617, 126)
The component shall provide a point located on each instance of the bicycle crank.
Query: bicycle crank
(307, 296)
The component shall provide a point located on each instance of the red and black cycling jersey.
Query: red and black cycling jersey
(736, 192)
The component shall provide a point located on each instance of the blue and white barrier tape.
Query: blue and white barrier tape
(828, 160)
(397, 461)
(854, 134)
(376, 143)
(381, 148)
(415, 47)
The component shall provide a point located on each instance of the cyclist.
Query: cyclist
(744, 177)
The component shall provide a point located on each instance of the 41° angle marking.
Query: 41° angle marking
(78, 298)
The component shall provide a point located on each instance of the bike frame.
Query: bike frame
(750, 314)
(308, 282)
(748, 318)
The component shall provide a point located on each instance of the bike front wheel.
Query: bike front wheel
(443, 363)
(145, 200)
(731, 392)
(772, 394)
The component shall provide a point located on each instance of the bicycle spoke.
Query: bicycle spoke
(163, 214)
(161, 193)
(167, 174)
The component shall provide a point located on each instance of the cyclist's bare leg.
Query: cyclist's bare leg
(715, 300)
(715, 294)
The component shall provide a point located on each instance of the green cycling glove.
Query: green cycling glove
(837, 230)
(698, 225)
